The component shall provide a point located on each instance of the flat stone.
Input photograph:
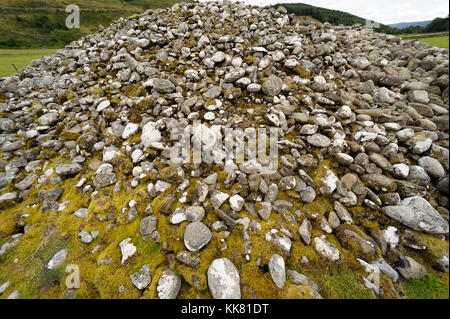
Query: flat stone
(57, 259)
(318, 140)
(350, 237)
(418, 175)
(130, 130)
(236, 203)
(127, 249)
(48, 118)
(68, 169)
(194, 213)
(300, 279)
(51, 195)
(8, 197)
(150, 135)
(263, 209)
(279, 239)
(26, 182)
(147, 226)
(308, 194)
(212, 93)
(81, 212)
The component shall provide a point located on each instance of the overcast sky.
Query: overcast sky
(384, 11)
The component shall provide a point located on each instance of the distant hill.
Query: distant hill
(41, 23)
(402, 25)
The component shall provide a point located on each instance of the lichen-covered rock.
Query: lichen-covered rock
(148, 226)
(142, 278)
(326, 249)
(169, 285)
(277, 270)
(272, 86)
(196, 236)
(104, 176)
(48, 118)
(292, 291)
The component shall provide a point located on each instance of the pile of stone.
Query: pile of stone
(363, 160)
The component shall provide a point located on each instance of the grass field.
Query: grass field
(21, 58)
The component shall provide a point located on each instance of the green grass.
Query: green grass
(430, 287)
(21, 58)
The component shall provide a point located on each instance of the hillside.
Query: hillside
(39, 23)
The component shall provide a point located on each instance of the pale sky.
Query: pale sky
(384, 11)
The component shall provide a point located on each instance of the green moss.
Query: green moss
(429, 287)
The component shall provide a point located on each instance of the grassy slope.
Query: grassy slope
(91, 4)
